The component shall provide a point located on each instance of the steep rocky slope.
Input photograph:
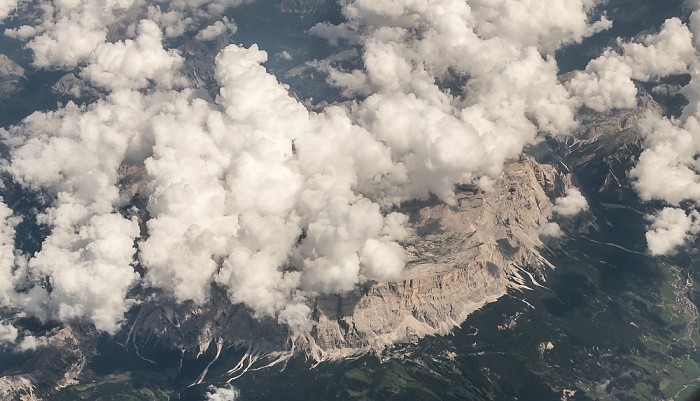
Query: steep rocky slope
(461, 257)
(12, 75)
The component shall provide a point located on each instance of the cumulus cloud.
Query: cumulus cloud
(74, 155)
(225, 26)
(30, 343)
(551, 229)
(229, 199)
(667, 169)
(17, 290)
(285, 55)
(71, 31)
(226, 393)
(134, 64)
(568, 205)
(252, 192)
(546, 25)
(334, 34)
(667, 90)
(8, 334)
(7, 255)
(437, 138)
(571, 204)
(6, 7)
(671, 228)
(179, 17)
(607, 81)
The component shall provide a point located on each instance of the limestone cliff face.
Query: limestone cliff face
(461, 257)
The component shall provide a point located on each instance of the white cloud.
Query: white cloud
(133, 64)
(667, 169)
(226, 393)
(253, 192)
(180, 16)
(671, 228)
(70, 31)
(334, 34)
(6, 7)
(381, 260)
(225, 26)
(73, 154)
(571, 204)
(23, 32)
(90, 270)
(30, 343)
(8, 334)
(7, 255)
(606, 84)
(551, 229)
(438, 139)
(666, 53)
(285, 55)
(546, 25)
(229, 200)
(607, 81)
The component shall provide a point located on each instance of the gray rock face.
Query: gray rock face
(17, 387)
(11, 76)
(199, 65)
(74, 87)
(9, 68)
(193, 328)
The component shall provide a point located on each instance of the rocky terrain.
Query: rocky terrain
(11, 76)
(461, 257)
(73, 87)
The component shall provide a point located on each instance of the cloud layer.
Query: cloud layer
(252, 192)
